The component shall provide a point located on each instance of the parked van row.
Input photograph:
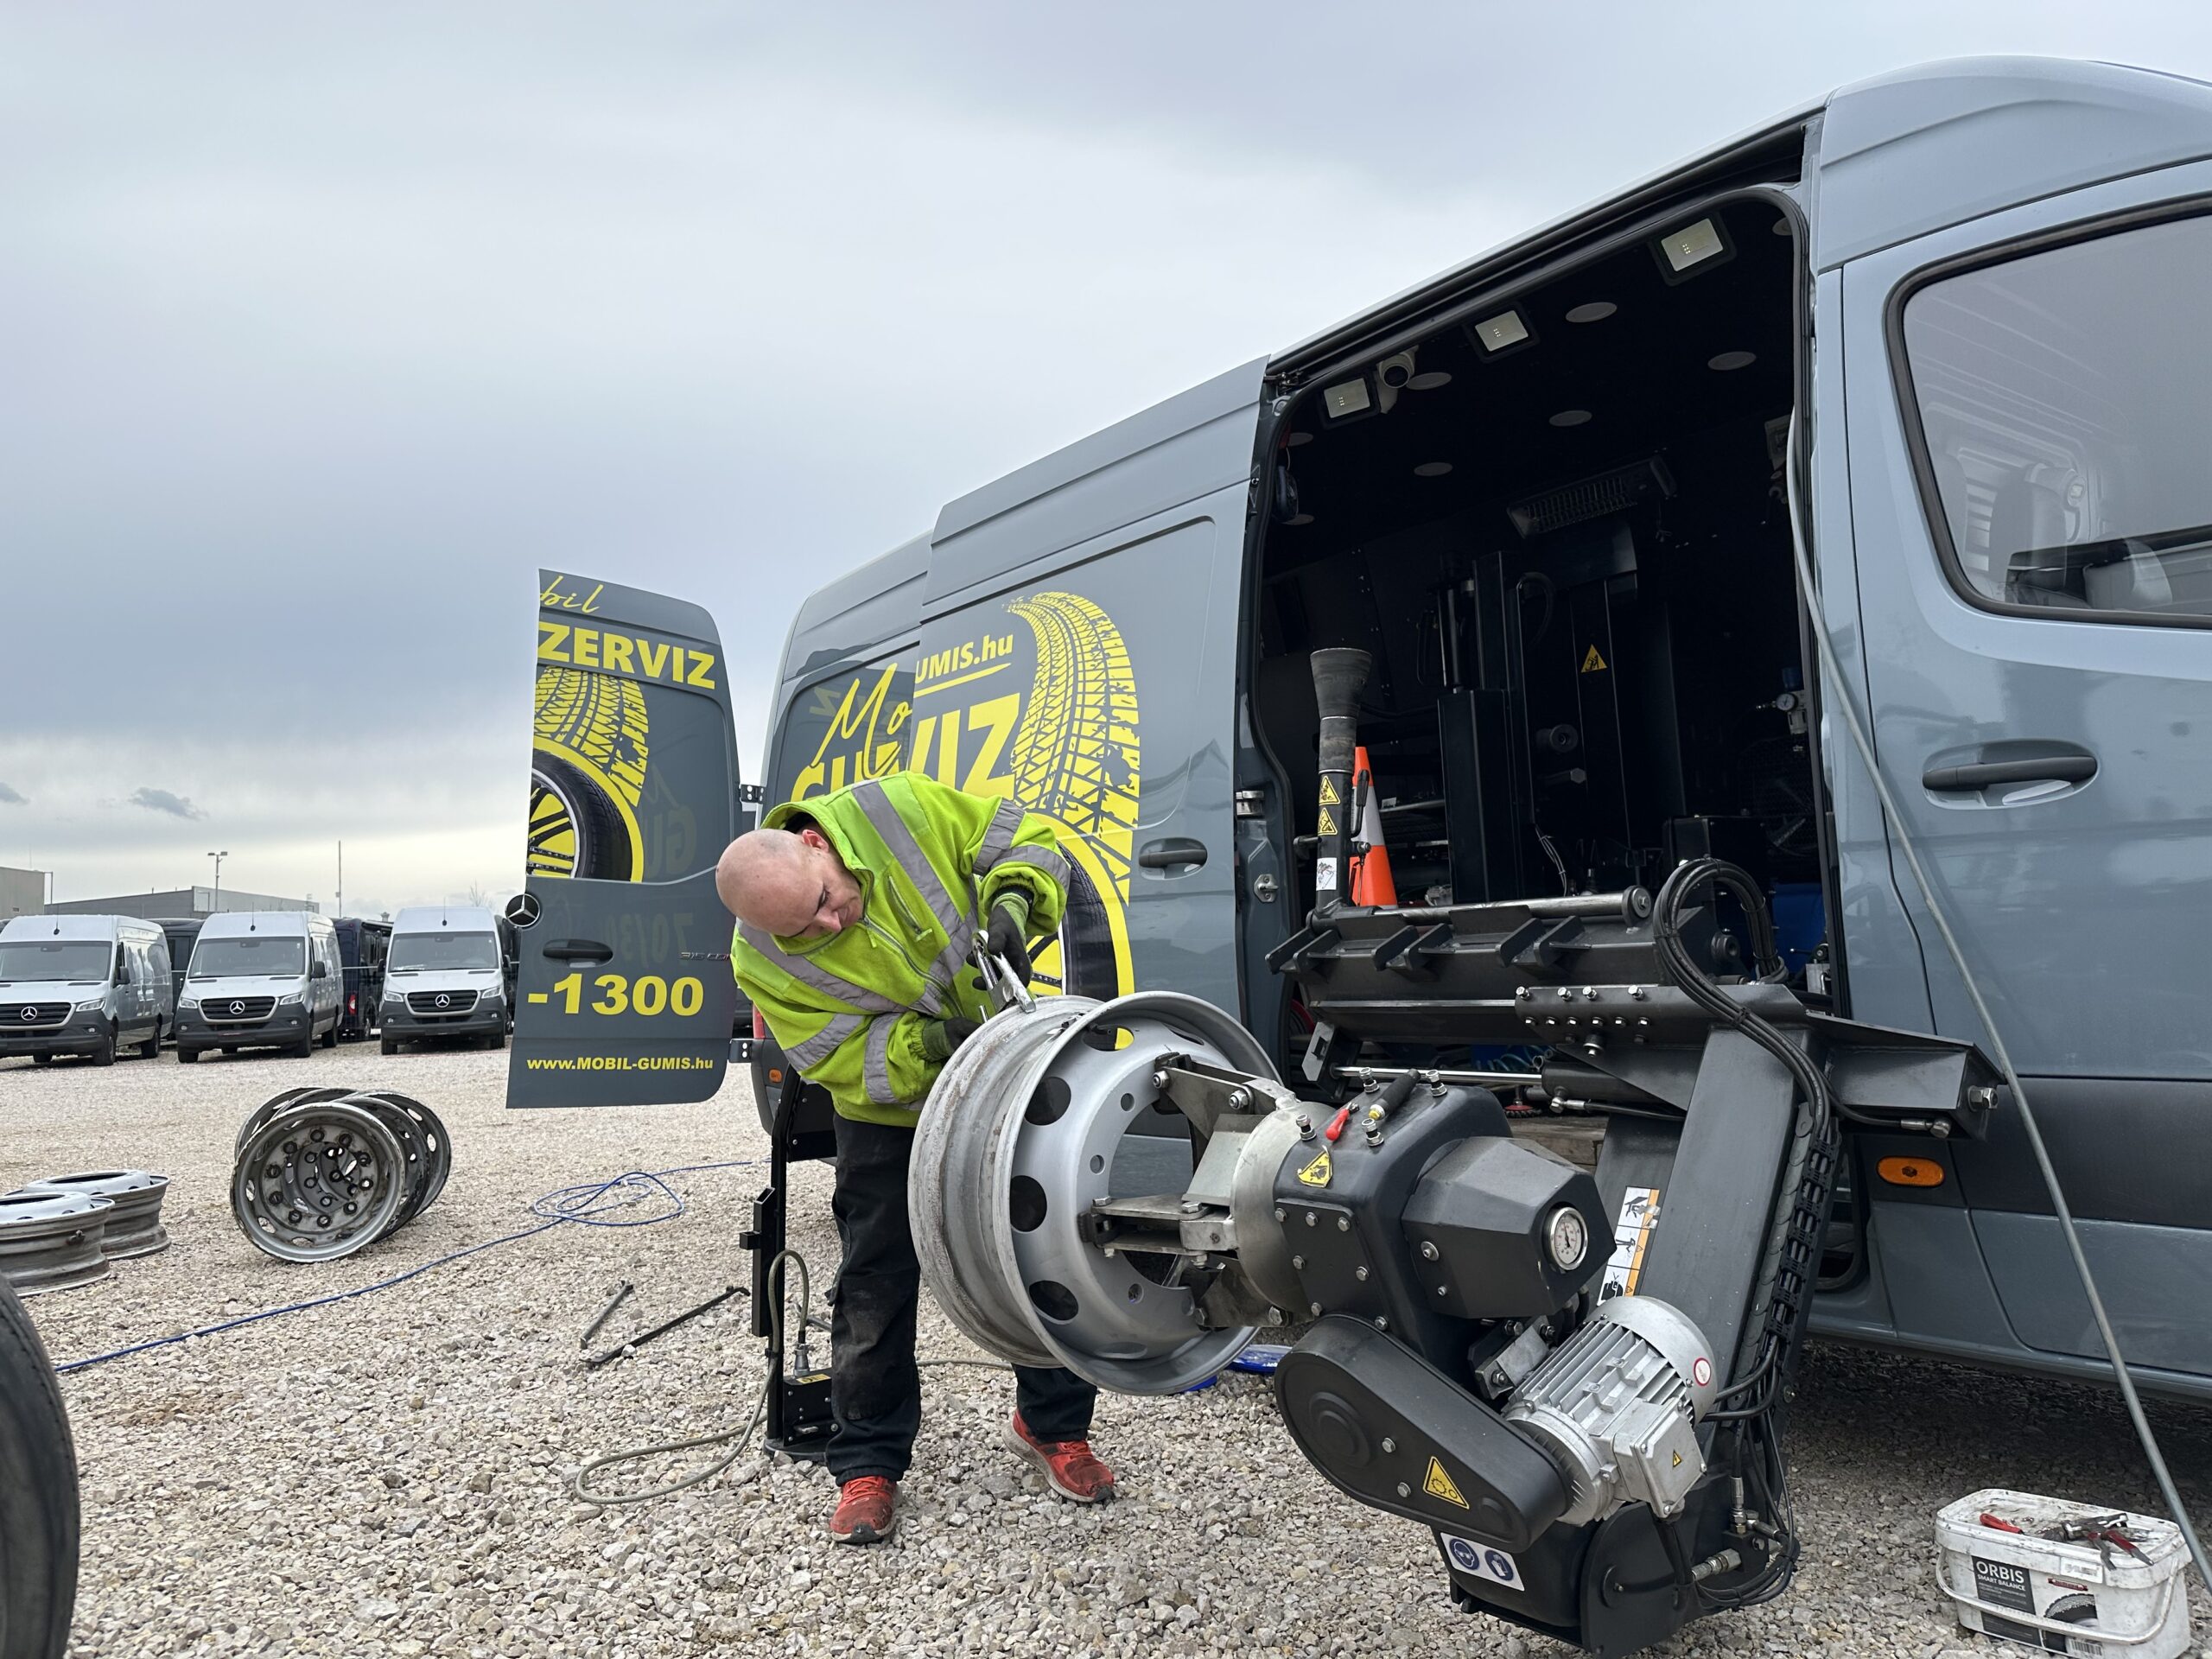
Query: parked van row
(95, 987)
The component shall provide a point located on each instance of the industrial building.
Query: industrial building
(176, 901)
(22, 892)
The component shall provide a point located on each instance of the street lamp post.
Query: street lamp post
(216, 903)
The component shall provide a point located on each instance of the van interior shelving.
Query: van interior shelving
(1559, 528)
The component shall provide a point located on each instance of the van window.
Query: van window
(84, 961)
(413, 953)
(2064, 396)
(275, 957)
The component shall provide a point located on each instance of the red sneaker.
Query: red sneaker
(867, 1510)
(1069, 1465)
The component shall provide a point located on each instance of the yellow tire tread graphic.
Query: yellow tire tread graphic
(592, 727)
(1075, 755)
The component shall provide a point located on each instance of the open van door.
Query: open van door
(624, 993)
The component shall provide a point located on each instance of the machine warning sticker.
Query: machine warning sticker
(1437, 1483)
(1325, 876)
(1632, 1241)
(1317, 1173)
(1592, 662)
(1482, 1561)
(1329, 796)
(1328, 824)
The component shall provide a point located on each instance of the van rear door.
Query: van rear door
(624, 994)
(2028, 394)
(1078, 652)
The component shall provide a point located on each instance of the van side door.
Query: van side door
(2028, 395)
(1078, 653)
(623, 992)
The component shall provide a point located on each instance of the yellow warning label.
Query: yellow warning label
(1317, 1173)
(1592, 662)
(1437, 1484)
(1329, 796)
(1678, 1459)
(1328, 824)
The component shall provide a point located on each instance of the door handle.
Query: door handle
(2058, 766)
(1175, 852)
(577, 951)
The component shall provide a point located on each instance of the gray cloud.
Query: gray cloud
(9, 797)
(160, 800)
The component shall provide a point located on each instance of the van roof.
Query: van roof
(103, 928)
(282, 924)
(444, 918)
(1901, 153)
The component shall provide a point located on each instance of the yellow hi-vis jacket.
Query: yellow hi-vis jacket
(850, 1009)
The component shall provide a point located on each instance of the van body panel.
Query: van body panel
(119, 991)
(1918, 150)
(2110, 878)
(1178, 451)
(852, 618)
(1880, 960)
(225, 1005)
(2080, 904)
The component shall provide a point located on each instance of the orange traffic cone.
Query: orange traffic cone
(1370, 869)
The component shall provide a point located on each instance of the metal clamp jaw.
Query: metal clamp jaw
(1000, 983)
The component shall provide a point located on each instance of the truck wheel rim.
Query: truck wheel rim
(319, 1181)
(1018, 1138)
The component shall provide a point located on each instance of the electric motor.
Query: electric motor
(1618, 1403)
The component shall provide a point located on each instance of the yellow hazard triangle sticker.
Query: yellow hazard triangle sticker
(1592, 662)
(1317, 1173)
(1329, 796)
(1437, 1484)
(1328, 824)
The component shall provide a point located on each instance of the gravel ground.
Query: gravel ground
(388, 1475)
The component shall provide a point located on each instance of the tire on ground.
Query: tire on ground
(38, 1495)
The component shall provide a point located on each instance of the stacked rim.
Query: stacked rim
(323, 1173)
(134, 1224)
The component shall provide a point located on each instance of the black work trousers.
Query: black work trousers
(874, 1389)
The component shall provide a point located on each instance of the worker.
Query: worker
(856, 913)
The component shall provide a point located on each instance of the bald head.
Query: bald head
(790, 882)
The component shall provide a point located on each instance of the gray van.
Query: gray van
(84, 985)
(1947, 325)
(444, 977)
(261, 979)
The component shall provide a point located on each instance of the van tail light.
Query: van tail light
(352, 1003)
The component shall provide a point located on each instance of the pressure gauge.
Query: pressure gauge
(1568, 1237)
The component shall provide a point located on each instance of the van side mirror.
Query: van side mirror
(123, 973)
(320, 970)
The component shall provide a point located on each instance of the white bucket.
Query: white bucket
(2059, 1597)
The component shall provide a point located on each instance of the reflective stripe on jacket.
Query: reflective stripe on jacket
(849, 1009)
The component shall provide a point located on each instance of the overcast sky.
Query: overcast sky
(322, 327)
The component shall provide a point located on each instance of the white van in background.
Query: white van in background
(262, 979)
(444, 976)
(85, 985)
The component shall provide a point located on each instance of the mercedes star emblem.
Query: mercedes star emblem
(238, 1008)
(31, 1014)
(444, 1000)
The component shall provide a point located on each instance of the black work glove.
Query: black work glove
(940, 1037)
(1008, 935)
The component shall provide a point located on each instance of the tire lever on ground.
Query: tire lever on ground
(593, 1362)
(622, 1292)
